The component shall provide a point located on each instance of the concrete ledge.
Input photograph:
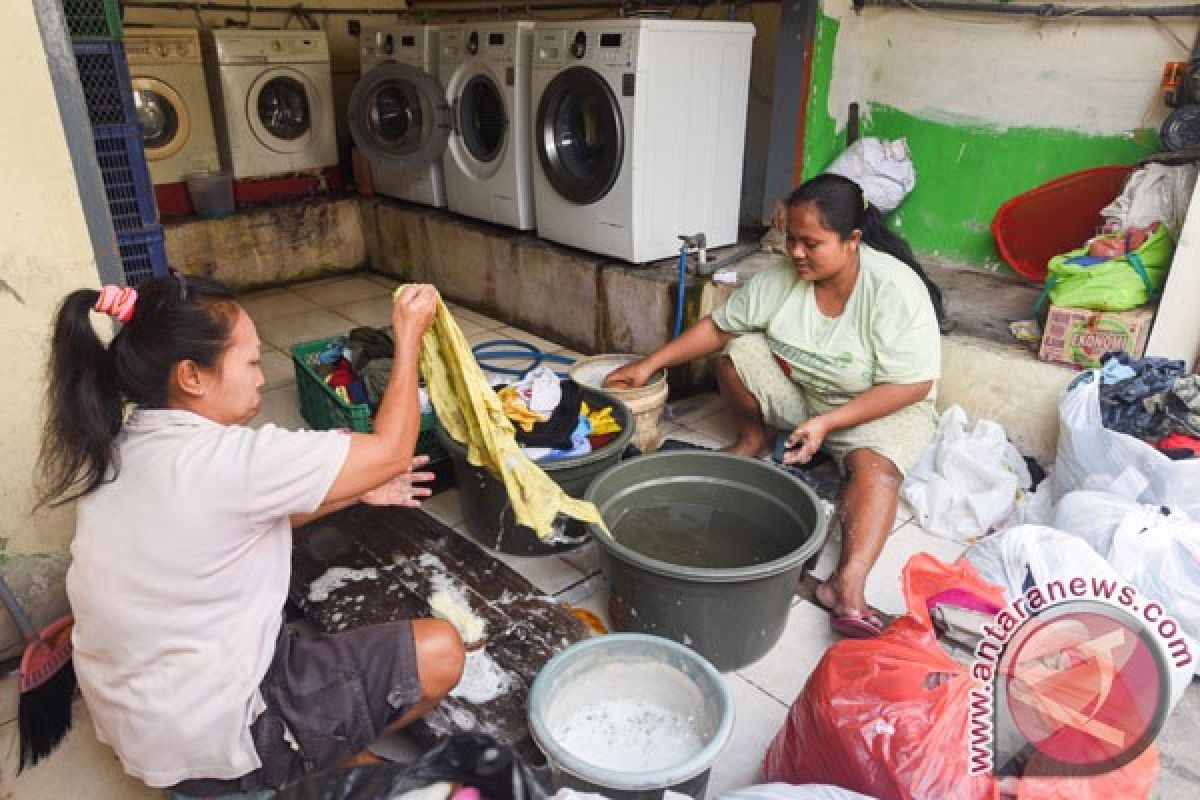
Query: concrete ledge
(271, 245)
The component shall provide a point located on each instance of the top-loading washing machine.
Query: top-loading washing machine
(170, 96)
(485, 70)
(398, 113)
(639, 133)
(273, 97)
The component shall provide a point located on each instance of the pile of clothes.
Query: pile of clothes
(1154, 400)
(551, 418)
(358, 366)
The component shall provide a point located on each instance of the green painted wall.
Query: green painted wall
(965, 169)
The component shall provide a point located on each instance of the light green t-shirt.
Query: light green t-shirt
(888, 332)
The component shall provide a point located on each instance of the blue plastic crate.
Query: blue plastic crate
(107, 87)
(143, 254)
(126, 177)
(92, 19)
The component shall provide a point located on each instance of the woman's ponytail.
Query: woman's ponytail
(83, 402)
(879, 236)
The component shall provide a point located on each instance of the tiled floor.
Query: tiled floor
(762, 692)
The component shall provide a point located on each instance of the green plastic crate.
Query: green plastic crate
(93, 20)
(324, 410)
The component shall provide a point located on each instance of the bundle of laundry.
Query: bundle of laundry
(1153, 400)
(551, 418)
(358, 366)
(1116, 271)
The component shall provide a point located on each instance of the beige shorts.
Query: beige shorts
(901, 436)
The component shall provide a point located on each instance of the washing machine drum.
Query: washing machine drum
(482, 120)
(580, 135)
(280, 109)
(163, 117)
(399, 113)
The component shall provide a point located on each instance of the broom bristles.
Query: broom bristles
(44, 716)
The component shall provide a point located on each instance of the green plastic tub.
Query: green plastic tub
(706, 549)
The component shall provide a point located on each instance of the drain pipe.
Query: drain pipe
(1042, 10)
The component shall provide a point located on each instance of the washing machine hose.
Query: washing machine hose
(682, 291)
(509, 349)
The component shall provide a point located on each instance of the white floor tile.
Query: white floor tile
(832, 549)
(783, 671)
(315, 323)
(339, 291)
(479, 320)
(272, 304)
(588, 559)
(596, 603)
(758, 717)
(277, 369)
(389, 282)
(445, 507)
(883, 584)
(686, 434)
(545, 345)
(693, 408)
(281, 407)
(720, 427)
(550, 574)
(373, 312)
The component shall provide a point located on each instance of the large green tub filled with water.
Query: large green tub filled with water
(706, 549)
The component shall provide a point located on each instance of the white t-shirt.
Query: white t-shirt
(180, 572)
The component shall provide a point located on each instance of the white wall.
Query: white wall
(44, 253)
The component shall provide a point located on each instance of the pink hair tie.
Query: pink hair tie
(117, 302)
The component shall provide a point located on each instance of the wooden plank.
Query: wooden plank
(403, 556)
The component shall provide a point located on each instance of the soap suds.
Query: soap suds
(630, 735)
(483, 679)
(337, 577)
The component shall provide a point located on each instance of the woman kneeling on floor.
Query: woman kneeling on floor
(183, 539)
(841, 347)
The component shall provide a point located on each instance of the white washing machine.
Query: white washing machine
(485, 70)
(398, 113)
(170, 95)
(639, 132)
(273, 99)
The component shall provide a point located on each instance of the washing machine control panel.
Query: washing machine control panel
(406, 46)
(597, 48)
(160, 49)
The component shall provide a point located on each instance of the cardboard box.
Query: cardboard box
(1080, 338)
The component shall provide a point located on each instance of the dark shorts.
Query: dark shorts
(335, 693)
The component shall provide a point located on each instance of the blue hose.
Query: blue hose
(682, 291)
(510, 349)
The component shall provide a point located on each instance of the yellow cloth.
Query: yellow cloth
(516, 410)
(473, 414)
(602, 421)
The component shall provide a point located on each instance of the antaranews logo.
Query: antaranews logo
(1072, 679)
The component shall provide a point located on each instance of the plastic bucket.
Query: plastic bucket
(646, 403)
(645, 673)
(731, 615)
(211, 194)
(488, 514)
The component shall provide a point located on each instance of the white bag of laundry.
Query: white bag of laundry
(1155, 192)
(787, 791)
(968, 481)
(884, 169)
(1026, 556)
(1090, 456)
(1152, 548)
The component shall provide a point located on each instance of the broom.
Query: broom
(47, 682)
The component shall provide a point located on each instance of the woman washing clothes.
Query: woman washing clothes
(840, 347)
(183, 535)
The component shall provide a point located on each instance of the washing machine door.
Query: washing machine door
(163, 117)
(280, 107)
(399, 114)
(481, 122)
(580, 135)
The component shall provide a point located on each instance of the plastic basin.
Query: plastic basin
(211, 193)
(487, 512)
(633, 669)
(732, 615)
(646, 402)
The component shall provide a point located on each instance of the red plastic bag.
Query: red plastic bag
(888, 717)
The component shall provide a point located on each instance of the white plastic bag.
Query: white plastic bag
(883, 169)
(1152, 193)
(1090, 456)
(967, 482)
(541, 390)
(1033, 555)
(787, 791)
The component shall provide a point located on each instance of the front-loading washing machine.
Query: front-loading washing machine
(398, 114)
(170, 96)
(639, 132)
(273, 97)
(485, 70)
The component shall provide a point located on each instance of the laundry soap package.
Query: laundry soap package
(1080, 337)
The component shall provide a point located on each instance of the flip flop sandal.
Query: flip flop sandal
(857, 625)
